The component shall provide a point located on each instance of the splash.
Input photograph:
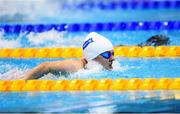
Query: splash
(10, 71)
(92, 68)
(13, 74)
(32, 9)
(9, 44)
(50, 76)
(53, 38)
(95, 70)
(5, 43)
(117, 66)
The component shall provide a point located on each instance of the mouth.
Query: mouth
(110, 66)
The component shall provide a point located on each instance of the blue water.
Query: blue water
(101, 16)
(54, 13)
(129, 68)
(90, 102)
(64, 39)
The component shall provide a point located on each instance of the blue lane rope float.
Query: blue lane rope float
(87, 27)
(126, 4)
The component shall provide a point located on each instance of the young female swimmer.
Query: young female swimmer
(95, 47)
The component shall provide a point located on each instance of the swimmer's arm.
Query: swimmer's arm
(49, 67)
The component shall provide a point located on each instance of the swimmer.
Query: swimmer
(156, 40)
(95, 47)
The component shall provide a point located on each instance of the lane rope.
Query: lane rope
(125, 4)
(91, 84)
(76, 52)
(87, 27)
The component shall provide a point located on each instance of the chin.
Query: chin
(109, 68)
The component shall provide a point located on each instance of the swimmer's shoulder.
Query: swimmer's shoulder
(73, 64)
(71, 61)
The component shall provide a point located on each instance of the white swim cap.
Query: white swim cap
(94, 45)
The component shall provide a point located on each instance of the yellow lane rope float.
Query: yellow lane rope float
(119, 84)
(124, 51)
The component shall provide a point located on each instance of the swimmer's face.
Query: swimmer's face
(106, 59)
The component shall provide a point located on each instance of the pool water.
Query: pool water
(123, 68)
(96, 101)
(56, 13)
(90, 102)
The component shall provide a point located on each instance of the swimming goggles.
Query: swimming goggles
(107, 54)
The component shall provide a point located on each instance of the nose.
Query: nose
(111, 59)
